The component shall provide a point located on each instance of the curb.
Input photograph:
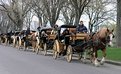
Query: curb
(113, 62)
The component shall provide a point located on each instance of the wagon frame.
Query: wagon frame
(59, 46)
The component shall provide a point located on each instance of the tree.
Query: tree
(6, 24)
(118, 35)
(98, 13)
(52, 9)
(16, 11)
(79, 6)
(28, 18)
(40, 12)
(68, 13)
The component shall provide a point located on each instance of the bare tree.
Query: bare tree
(98, 13)
(52, 9)
(68, 13)
(5, 23)
(40, 12)
(79, 6)
(28, 18)
(17, 10)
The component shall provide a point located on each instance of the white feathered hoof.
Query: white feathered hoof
(84, 61)
(96, 63)
(102, 61)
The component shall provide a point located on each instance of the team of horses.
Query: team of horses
(38, 41)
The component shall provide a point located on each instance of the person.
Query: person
(11, 33)
(81, 28)
(38, 29)
(55, 29)
(65, 37)
(28, 31)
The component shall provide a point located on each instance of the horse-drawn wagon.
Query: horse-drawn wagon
(69, 42)
(46, 40)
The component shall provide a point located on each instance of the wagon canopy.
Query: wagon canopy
(68, 26)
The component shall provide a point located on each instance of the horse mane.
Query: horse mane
(102, 32)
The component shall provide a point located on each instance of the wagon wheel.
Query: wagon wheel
(45, 49)
(69, 53)
(55, 53)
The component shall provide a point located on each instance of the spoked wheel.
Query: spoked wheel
(55, 53)
(45, 49)
(69, 53)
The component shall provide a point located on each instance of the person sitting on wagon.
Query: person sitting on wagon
(55, 29)
(27, 31)
(81, 28)
(38, 29)
(65, 38)
(64, 34)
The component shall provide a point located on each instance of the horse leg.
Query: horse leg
(36, 47)
(6, 41)
(104, 55)
(20, 43)
(13, 42)
(85, 55)
(80, 55)
(96, 63)
(91, 55)
(33, 45)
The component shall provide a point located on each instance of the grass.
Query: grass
(112, 54)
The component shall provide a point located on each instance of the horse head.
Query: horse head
(109, 35)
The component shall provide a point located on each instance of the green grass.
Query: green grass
(112, 54)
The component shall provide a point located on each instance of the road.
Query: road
(14, 61)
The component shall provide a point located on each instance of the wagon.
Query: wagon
(71, 43)
(46, 41)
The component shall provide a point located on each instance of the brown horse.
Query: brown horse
(99, 42)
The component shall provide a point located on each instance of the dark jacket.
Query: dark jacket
(28, 31)
(39, 28)
(81, 28)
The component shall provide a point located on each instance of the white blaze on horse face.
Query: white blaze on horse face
(111, 38)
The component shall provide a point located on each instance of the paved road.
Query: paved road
(14, 61)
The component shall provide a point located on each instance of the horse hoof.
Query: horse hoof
(97, 65)
(101, 63)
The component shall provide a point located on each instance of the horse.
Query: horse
(2, 38)
(99, 42)
(30, 40)
(8, 38)
(21, 39)
(15, 38)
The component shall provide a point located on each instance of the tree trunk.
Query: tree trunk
(118, 32)
(40, 21)
(52, 23)
(19, 25)
(77, 18)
